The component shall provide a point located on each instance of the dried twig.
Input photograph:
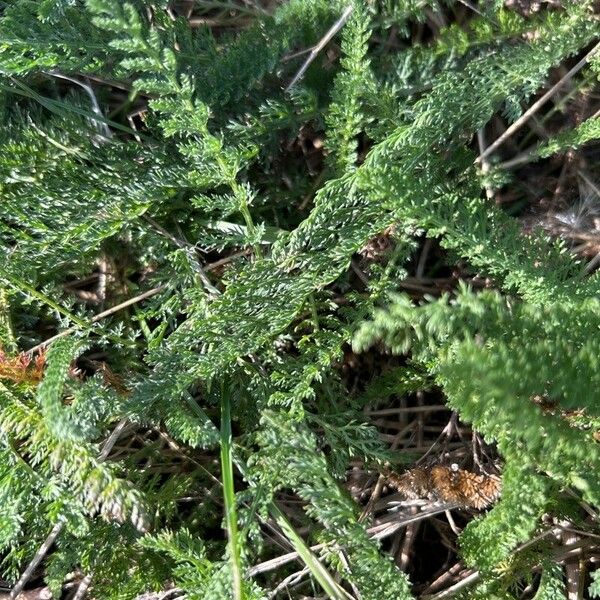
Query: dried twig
(83, 587)
(537, 105)
(453, 589)
(379, 531)
(99, 317)
(322, 43)
(290, 580)
(37, 559)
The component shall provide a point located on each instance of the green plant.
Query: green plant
(198, 281)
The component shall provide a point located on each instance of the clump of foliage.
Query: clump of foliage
(192, 248)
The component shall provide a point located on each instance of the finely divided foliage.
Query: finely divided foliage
(248, 252)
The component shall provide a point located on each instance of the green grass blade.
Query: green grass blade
(331, 587)
(229, 493)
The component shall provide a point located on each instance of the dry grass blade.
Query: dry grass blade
(537, 105)
(322, 43)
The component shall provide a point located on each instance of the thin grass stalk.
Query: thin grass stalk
(333, 589)
(229, 494)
